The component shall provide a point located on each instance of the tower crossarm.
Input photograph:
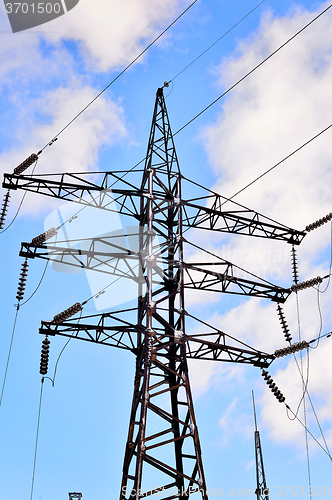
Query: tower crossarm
(79, 189)
(204, 279)
(199, 348)
(97, 329)
(95, 254)
(243, 221)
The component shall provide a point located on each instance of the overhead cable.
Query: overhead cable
(214, 43)
(118, 76)
(254, 69)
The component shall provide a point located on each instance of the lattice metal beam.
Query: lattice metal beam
(162, 435)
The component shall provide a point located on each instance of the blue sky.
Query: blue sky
(46, 77)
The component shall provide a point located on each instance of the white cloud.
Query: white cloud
(77, 149)
(111, 33)
(233, 422)
(43, 90)
(271, 113)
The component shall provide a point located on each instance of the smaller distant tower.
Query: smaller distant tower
(262, 491)
(74, 496)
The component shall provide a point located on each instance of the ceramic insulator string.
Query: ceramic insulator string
(59, 318)
(294, 265)
(269, 380)
(306, 284)
(284, 324)
(39, 240)
(25, 164)
(4, 208)
(22, 280)
(279, 353)
(44, 356)
(319, 222)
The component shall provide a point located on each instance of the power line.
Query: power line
(37, 287)
(37, 435)
(304, 386)
(214, 43)
(21, 203)
(118, 76)
(9, 354)
(254, 69)
(279, 162)
(184, 126)
(289, 409)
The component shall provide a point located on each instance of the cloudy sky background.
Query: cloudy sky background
(46, 78)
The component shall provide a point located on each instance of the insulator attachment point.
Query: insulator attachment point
(22, 280)
(319, 222)
(44, 356)
(25, 164)
(284, 324)
(4, 208)
(274, 388)
(279, 353)
(306, 284)
(67, 313)
(39, 240)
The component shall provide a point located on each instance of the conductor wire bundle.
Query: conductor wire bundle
(306, 284)
(319, 222)
(26, 164)
(284, 324)
(4, 208)
(59, 318)
(294, 265)
(22, 281)
(44, 356)
(269, 380)
(39, 240)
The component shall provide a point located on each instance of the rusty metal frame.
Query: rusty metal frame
(163, 434)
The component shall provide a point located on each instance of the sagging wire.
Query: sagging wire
(304, 387)
(308, 228)
(5, 205)
(118, 76)
(45, 356)
(319, 291)
(288, 409)
(44, 360)
(8, 357)
(254, 69)
(281, 399)
(212, 45)
(37, 287)
(37, 436)
(294, 348)
(19, 296)
(330, 268)
(55, 138)
(194, 118)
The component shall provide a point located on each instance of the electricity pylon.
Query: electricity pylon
(262, 491)
(163, 445)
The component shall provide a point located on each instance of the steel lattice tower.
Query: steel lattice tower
(163, 440)
(161, 368)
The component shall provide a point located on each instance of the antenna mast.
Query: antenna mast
(262, 491)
